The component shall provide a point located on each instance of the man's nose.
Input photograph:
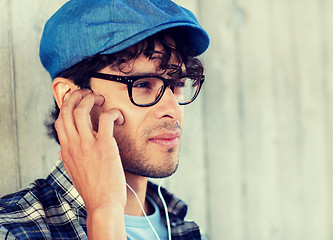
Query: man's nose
(168, 106)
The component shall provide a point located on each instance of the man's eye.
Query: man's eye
(142, 84)
(180, 84)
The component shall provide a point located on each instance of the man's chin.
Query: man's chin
(152, 172)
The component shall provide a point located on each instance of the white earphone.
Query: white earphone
(164, 206)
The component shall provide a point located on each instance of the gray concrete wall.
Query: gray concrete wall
(256, 157)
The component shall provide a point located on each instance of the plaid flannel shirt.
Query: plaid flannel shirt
(51, 208)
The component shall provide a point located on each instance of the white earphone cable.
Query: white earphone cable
(151, 225)
(165, 210)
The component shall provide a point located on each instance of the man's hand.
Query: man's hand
(93, 163)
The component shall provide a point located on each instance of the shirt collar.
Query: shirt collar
(177, 208)
(61, 182)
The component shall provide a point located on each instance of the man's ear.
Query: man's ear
(62, 88)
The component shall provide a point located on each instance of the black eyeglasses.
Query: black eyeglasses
(147, 90)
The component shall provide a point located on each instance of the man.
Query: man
(122, 72)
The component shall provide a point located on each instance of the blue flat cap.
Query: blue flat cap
(83, 28)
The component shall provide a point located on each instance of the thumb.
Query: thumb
(107, 120)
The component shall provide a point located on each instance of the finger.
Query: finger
(66, 112)
(64, 154)
(120, 119)
(62, 136)
(82, 115)
(107, 120)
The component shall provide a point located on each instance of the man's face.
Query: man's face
(149, 139)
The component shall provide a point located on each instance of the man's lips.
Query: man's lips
(169, 139)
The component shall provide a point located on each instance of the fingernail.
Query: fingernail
(101, 99)
(120, 120)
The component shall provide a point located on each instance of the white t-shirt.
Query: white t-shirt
(138, 228)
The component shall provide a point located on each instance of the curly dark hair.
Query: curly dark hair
(180, 47)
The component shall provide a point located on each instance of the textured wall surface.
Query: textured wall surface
(256, 158)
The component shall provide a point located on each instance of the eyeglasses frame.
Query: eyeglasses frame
(129, 81)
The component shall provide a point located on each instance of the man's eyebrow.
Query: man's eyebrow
(144, 74)
(152, 74)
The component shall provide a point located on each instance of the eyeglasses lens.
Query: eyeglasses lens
(147, 90)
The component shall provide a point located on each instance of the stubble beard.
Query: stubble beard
(135, 158)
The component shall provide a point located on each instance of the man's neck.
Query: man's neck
(139, 185)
